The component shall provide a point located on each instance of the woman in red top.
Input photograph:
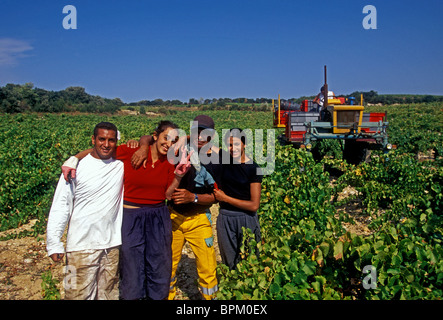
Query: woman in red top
(146, 257)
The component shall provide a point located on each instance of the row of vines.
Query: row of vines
(306, 252)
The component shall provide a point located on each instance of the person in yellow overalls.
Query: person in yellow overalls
(189, 208)
(191, 218)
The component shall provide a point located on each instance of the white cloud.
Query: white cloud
(11, 50)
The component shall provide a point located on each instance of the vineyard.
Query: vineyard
(308, 250)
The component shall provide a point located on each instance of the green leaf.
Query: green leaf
(357, 264)
(318, 256)
(396, 260)
(256, 295)
(321, 280)
(317, 286)
(274, 288)
(409, 277)
(308, 268)
(289, 290)
(393, 271)
(338, 250)
(324, 247)
(393, 233)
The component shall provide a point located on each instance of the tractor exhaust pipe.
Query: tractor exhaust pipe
(326, 95)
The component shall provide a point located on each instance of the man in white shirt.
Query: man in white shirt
(91, 205)
(320, 98)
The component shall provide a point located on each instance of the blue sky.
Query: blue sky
(143, 49)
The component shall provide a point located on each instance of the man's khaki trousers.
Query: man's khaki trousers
(92, 274)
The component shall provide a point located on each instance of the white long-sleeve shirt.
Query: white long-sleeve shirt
(92, 204)
(321, 101)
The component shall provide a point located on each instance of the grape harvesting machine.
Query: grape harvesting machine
(332, 118)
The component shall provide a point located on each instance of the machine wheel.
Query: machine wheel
(355, 152)
(282, 140)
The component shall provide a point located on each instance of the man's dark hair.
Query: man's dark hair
(107, 126)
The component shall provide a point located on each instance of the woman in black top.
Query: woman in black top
(239, 199)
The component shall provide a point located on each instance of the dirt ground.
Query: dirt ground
(23, 260)
(354, 209)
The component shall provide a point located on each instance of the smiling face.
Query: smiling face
(203, 137)
(236, 148)
(165, 140)
(105, 142)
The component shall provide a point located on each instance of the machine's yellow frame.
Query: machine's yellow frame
(334, 114)
(336, 109)
(279, 125)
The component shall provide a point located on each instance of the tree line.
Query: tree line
(201, 101)
(371, 97)
(15, 98)
(374, 98)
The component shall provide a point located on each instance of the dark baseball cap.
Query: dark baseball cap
(204, 122)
